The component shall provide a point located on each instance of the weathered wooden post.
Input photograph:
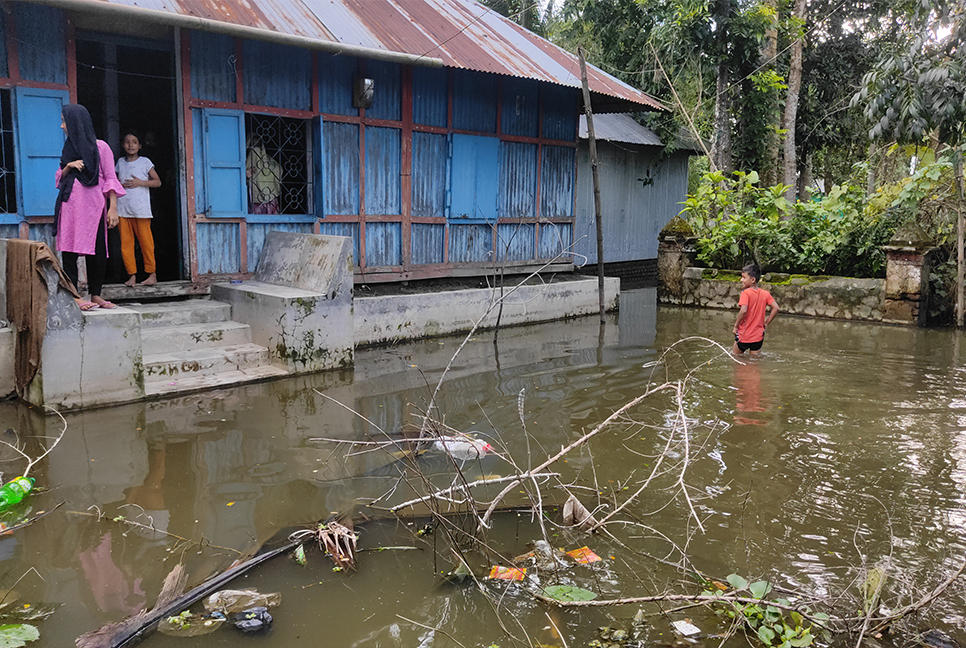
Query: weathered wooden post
(676, 252)
(908, 262)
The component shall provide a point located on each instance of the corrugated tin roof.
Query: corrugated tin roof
(462, 33)
(615, 127)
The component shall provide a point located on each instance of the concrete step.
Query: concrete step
(171, 339)
(202, 362)
(181, 313)
(186, 384)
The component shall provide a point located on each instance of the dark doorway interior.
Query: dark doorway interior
(128, 87)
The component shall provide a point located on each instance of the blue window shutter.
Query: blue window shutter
(224, 142)
(474, 179)
(39, 141)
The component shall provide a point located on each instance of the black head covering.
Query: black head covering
(81, 144)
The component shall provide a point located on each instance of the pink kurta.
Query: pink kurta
(82, 213)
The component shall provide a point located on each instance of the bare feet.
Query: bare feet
(102, 303)
(150, 281)
(85, 305)
(130, 281)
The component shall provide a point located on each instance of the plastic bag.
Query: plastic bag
(191, 625)
(254, 619)
(231, 601)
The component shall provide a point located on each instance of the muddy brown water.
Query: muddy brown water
(843, 445)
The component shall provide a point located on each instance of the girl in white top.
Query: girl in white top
(137, 175)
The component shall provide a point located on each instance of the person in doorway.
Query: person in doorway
(752, 321)
(86, 203)
(264, 178)
(138, 176)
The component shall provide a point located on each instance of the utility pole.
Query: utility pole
(594, 165)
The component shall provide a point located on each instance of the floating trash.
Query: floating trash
(508, 573)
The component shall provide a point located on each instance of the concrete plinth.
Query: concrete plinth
(89, 358)
(908, 264)
(299, 302)
(379, 320)
(676, 252)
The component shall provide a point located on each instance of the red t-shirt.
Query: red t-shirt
(752, 328)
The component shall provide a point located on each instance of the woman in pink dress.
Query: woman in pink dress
(86, 202)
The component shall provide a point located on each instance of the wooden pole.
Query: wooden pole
(595, 169)
(959, 239)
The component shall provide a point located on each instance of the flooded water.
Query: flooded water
(842, 446)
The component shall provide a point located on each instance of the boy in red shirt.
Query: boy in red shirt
(752, 322)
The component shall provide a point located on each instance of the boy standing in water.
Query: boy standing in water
(752, 322)
(137, 175)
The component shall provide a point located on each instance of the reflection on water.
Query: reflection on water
(841, 442)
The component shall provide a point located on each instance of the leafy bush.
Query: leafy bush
(737, 220)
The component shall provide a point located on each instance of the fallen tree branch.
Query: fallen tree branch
(26, 523)
(478, 482)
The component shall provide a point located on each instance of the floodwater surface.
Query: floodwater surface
(842, 447)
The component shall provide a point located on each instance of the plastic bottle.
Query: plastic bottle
(14, 491)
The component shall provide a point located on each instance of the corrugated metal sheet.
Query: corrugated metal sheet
(470, 243)
(383, 157)
(515, 241)
(462, 33)
(335, 84)
(521, 107)
(219, 248)
(429, 175)
(556, 238)
(340, 166)
(282, 86)
(212, 67)
(387, 101)
(383, 244)
(632, 213)
(4, 67)
(474, 101)
(42, 43)
(617, 127)
(518, 180)
(427, 243)
(557, 182)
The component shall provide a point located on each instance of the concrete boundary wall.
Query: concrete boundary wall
(386, 319)
(829, 297)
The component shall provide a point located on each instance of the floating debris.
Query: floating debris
(584, 556)
(256, 619)
(508, 573)
(686, 628)
(231, 601)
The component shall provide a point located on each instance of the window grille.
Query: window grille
(8, 187)
(278, 165)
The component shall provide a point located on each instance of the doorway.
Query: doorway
(128, 86)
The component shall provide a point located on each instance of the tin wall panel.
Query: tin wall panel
(336, 74)
(387, 94)
(43, 232)
(41, 43)
(9, 231)
(632, 213)
(219, 248)
(470, 243)
(350, 230)
(521, 107)
(518, 180)
(4, 63)
(383, 244)
(340, 168)
(383, 170)
(212, 66)
(515, 241)
(557, 182)
(561, 107)
(556, 239)
(257, 232)
(268, 82)
(474, 101)
(427, 243)
(430, 99)
(198, 146)
(429, 175)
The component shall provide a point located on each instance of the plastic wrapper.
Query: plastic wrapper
(232, 601)
(584, 555)
(507, 573)
(255, 619)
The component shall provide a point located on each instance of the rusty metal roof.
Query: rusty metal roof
(619, 128)
(461, 33)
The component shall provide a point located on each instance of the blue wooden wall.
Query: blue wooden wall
(489, 155)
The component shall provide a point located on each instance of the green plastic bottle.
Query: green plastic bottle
(15, 491)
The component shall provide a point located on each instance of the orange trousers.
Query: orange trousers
(140, 229)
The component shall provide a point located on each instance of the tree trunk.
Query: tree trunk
(769, 53)
(805, 178)
(721, 152)
(791, 103)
